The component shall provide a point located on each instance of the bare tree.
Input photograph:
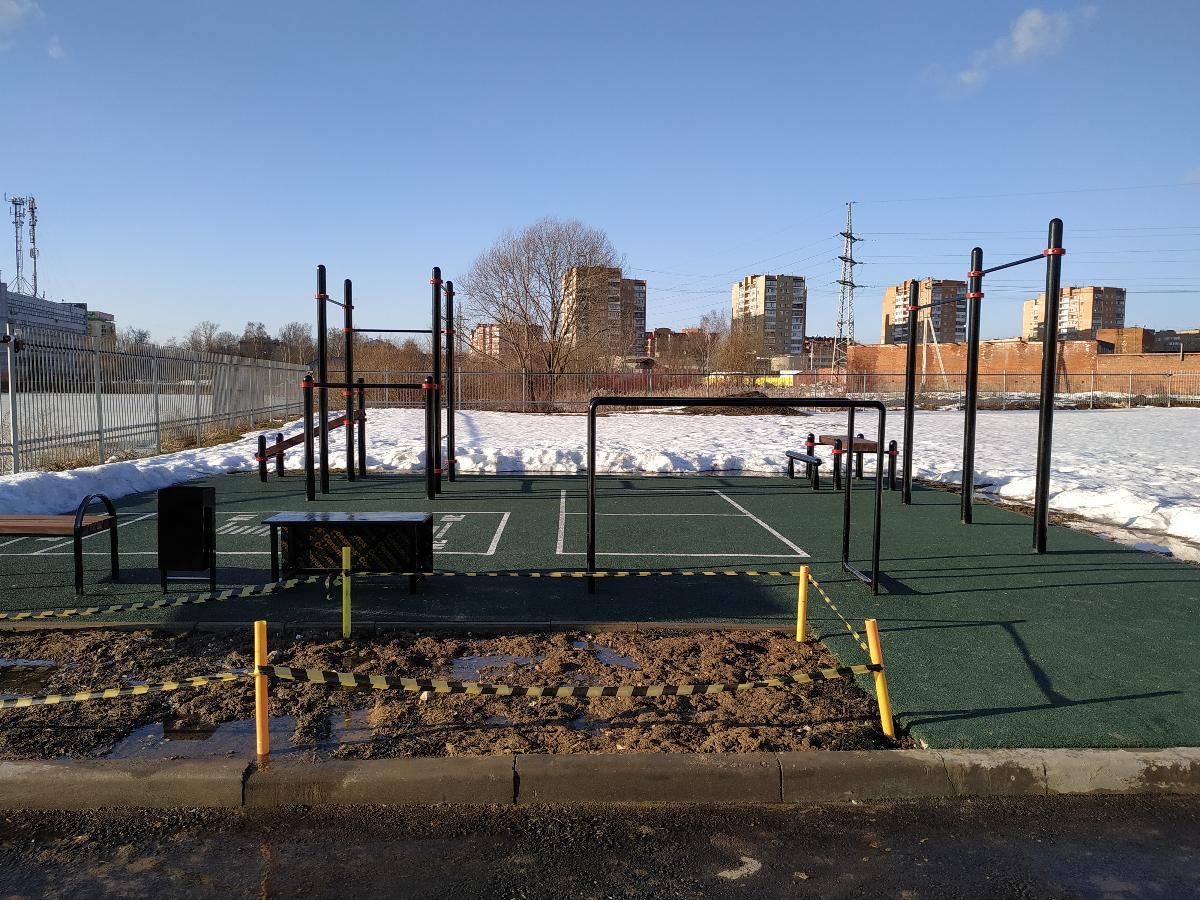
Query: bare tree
(202, 337)
(133, 336)
(295, 343)
(520, 284)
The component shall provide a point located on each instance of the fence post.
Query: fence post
(99, 408)
(1092, 392)
(154, 389)
(262, 720)
(13, 430)
(1129, 401)
(1004, 389)
(1168, 390)
(196, 393)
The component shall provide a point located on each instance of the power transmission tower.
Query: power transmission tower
(19, 284)
(33, 247)
(845, 320)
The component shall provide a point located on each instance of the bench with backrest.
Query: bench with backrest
(76, 527)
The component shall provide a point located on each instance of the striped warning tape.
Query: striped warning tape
(115, 693)
(582, 573)
(238, 593)
(829, 601)
(439, 686)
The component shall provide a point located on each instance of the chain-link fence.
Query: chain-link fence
(71, 400)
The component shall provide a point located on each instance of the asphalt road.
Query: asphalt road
(1032, 847)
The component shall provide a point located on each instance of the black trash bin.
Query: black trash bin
(187, 534)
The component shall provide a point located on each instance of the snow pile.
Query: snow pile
(1133, 469)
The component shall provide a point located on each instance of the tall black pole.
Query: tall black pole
(436, 335)
(591, 494)
(974, 309)
(310, 485)
(910, 386)
(848, 454)
(347, 391)
(450, 461)
(427, 397)
(323, 378)
(1041, 501)
(362, 428)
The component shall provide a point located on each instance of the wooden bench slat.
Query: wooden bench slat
(33, 526)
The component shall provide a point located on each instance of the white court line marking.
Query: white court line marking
(70, 542)
(491, 550)
(562, 522)
(13, 541)
(735, 505)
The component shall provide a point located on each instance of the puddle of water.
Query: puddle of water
(469, 668)
(25, 676)
(606, 655)
(186, 740)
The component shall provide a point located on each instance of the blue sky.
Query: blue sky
(196, 160)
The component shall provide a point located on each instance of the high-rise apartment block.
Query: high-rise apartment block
(602, 308)
(1079, 309)
(485, 339)
(773, 308)
(942, 316)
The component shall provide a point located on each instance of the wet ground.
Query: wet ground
(1113, 847)
(328, 721)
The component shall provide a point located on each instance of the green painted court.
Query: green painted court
(987, 644)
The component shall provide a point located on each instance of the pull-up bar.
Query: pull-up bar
(388, 330)
(1053, 255)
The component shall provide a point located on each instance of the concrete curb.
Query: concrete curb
(693, 778)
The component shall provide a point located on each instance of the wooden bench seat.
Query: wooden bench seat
(76, 527)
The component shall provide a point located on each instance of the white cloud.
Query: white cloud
(1035, 33)
(13, 12)
(54, 47)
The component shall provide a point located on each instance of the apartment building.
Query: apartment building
(485, 339)
(1079, 309)
(773, 307)
(943, 317)
(601, 307)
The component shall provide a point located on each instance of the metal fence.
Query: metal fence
(71, 400)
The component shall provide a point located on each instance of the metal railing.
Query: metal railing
(72, 400)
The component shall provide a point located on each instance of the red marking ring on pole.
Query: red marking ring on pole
(320, 296)
(1054, 251)
(435, 281)
(976, 273)
(974, 295)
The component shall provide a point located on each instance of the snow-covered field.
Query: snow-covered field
(1136, 470)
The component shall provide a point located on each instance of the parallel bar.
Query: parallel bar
(310, 488)
(974, 311)
(374, 385)
(390, 330)
(1041, 501)
(436, 330)
(362, 428)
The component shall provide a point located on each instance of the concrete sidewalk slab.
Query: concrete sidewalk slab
(94, 784)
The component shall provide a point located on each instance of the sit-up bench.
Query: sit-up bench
(76, 527)
(812, 466)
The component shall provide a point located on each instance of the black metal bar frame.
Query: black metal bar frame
(436, 457)
(910, 389)
(971, 406)
(1041, 501)
(871, 579)
(380, 385)
(451, 462)
(348, 392)
(362, 427)
(323, 375)
(390, 330)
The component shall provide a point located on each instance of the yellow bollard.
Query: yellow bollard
(802, 605)
(345, 592)
(881, 688)
(262, 737)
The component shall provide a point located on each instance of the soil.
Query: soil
(835, 715)
(743, 410)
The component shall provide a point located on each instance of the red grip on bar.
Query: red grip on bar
(320, 296)
(1054, 251)
(974, 295)
(977, 273)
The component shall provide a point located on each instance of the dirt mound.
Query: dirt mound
(743, 410)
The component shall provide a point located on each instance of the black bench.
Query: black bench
(812, 466)
(378, 541)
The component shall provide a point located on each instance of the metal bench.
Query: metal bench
(76, 527)
(812, 466)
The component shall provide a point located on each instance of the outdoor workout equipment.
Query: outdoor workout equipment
(317, 438)
(871, 578)
(1053, 255)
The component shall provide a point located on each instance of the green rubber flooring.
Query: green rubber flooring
(986, 643)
